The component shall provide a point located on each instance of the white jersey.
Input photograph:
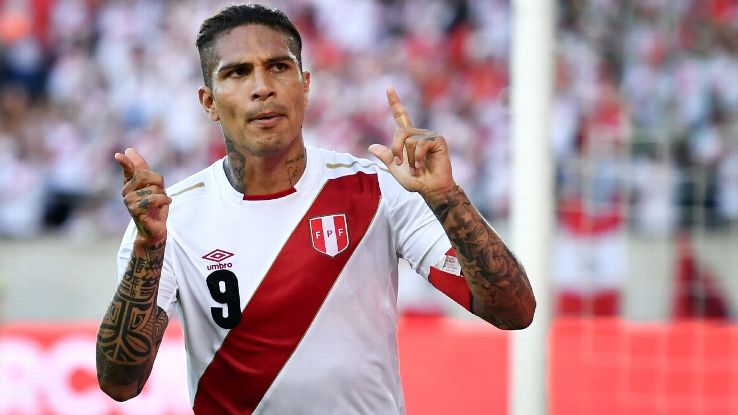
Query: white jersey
(288, 302)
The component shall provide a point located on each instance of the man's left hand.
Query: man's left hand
(418, 158)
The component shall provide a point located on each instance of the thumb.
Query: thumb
(381, 152)
(138, 162)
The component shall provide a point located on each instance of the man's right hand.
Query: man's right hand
(144, 196)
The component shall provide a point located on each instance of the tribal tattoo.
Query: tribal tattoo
(133, 327)
(501, 292)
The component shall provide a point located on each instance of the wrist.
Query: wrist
(151, 242)
(441, 195)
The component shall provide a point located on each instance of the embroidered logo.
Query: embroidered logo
(329, 234)
(218, 256)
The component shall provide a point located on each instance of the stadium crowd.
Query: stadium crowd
(644, 123)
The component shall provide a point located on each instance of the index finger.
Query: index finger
(398, 110)
(137, 161)
(126, 165)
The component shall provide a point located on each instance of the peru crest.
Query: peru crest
(329, 234)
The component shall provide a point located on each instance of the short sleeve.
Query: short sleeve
(419, 237)
(422, 241)
(167, 294)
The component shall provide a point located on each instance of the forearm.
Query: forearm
(501, 292)
(132, 329)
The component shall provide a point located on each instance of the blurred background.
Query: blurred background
(643, 135)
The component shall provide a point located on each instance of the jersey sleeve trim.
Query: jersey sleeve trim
(446, 279)
(354, 163)
(187, 189)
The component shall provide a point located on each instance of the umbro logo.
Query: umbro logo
(218, 256)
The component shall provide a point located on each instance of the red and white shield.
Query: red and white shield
(329, 234)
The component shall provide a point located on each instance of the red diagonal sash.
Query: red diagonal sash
(285, 303)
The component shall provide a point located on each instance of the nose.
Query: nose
(263, 88)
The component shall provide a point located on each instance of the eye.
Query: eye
(280, 67)
(238, 72)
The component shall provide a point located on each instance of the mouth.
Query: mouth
(267, 119)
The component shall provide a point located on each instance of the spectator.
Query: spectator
(79, 76)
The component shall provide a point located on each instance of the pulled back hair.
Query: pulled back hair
(237, 15)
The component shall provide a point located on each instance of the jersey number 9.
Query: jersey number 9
(223, 286)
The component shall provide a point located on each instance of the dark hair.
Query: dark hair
(240, 15)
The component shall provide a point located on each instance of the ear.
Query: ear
(306, 87)
(207, 100)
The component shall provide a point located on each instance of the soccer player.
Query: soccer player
(281, 259)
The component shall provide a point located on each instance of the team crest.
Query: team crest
(329, 234)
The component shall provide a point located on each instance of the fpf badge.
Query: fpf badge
(329, 234)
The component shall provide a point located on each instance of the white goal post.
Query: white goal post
(532, 192)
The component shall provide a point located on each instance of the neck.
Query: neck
(264, 174)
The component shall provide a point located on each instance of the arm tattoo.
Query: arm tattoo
(133, 326)
(500, 289)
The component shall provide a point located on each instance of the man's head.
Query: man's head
(239, 15)
(255, 86)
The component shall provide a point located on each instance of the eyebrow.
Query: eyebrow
(281, 58)
(270, 61)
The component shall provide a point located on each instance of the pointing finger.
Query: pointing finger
(398, 110)
(138, 162)
(126, 166)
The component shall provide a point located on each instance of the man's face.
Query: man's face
(258, 93)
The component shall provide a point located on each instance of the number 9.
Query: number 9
(229, 316)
